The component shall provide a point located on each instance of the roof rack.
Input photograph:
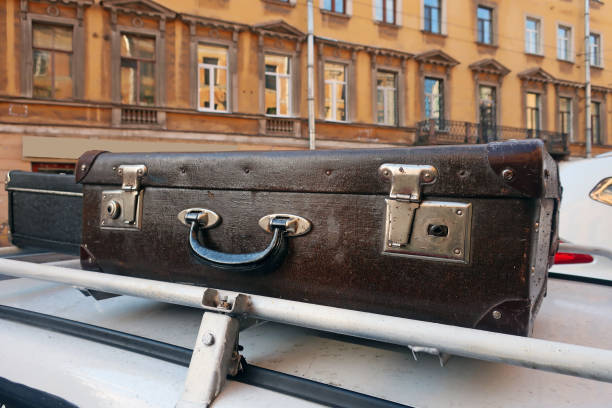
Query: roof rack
(216, 349)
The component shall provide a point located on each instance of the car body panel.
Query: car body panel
(85, 372)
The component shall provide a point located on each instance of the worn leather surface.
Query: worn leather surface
(464, 171)
(84, 163)
(340, 261)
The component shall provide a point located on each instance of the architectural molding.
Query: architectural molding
(278, 29)
(436, 57)
(489, 66)
(536, 74)
(147, 8)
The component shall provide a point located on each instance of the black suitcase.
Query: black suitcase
(460, 235)
(45, 211)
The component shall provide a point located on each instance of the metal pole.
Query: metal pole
(311, 102)
(579, 361)
(587, 78)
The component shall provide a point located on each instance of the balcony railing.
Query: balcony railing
(282, 126)
(138, 116)
(441, 131)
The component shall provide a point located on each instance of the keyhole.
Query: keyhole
(437, 230)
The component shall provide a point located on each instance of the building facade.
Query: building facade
(143, 75)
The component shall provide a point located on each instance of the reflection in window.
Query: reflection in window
(532, 36)
(434, 99)
(277, 85)
(335, 91)
(565, 117)
(432, 16)
(337, 6)
(212, 78)
(385, 11)
(533, 113)
(595, 56)
(485, 26)
(563, 43)
(386, 98)
(52, 61)
(137, 70)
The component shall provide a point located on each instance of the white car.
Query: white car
(585, 218)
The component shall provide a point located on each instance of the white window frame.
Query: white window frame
(348, 7)
(537, 33)
(375, 8)
(334, 84)
(385, 90)
(600, 50)
(277, 80)
(213, 68)
(569, 40)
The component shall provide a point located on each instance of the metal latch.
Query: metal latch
(122, 208)
(436, 230)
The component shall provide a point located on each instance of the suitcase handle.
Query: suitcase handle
(282, 226)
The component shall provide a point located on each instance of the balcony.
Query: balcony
(432, 132)
(284, 127)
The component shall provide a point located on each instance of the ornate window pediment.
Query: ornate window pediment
(139, 7)
(536, 75)
(279, 29)
(489, 66)
(436, 57)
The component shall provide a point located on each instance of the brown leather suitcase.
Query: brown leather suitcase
(461, 235)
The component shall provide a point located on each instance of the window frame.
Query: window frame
(443, 88)
(27, 53)
(425, 20)
(333, 6)
(600, 133)
(572, 131)
(396, 98)
(384, 13)
(52, 52)
(539, 36)
(479, 39)
(228, 79)
(159, 63)
(346, 92)
(538, 107)
(600, 53)
(138, 62)
(570, 42)
(277, 76)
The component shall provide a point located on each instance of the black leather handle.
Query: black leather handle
(266, 260)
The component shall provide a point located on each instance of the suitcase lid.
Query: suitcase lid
(499, 169)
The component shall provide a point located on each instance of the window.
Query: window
(277, 85)
(386, 98)
(53, 168)
(565, 117)
(52, 61)
(432, 16)
(137, 69)
(385, 11)
(335, 92)
(595, 56)
(485, 25)
(212, 78)
(532, 36)
(564, 38)
(337, 6)
(596, 122)
(434, 99)
(533, 112)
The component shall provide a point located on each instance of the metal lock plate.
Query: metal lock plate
(123, 208)
(434, 230)
(440, 230)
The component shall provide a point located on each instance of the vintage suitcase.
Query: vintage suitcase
(45, 211)
(460, 235)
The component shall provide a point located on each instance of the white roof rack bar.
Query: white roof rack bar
(579, 361)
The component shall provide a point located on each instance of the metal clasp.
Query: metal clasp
(122, 208)
(404, 198)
